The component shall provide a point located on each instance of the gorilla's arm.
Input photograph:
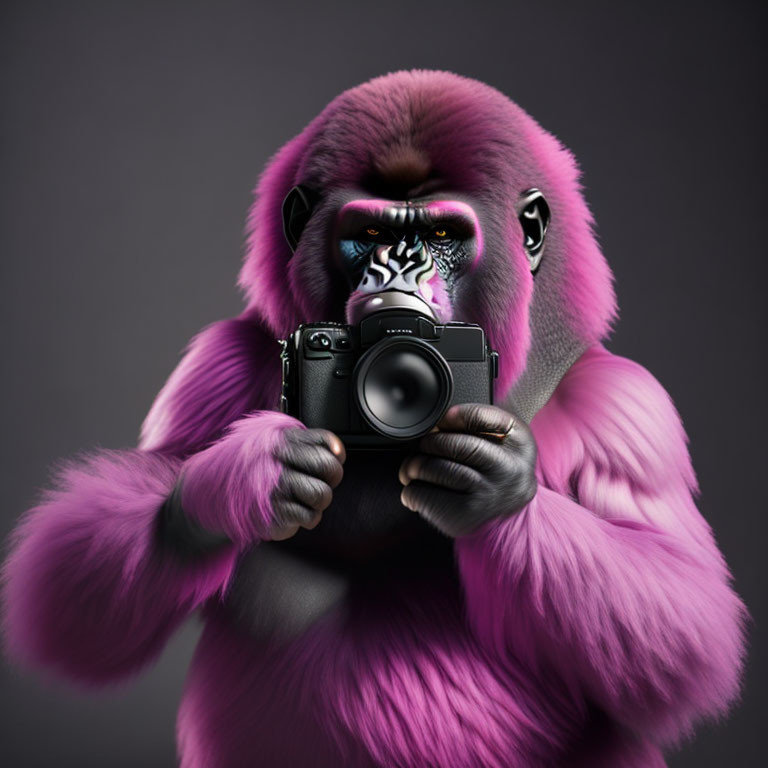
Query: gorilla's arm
(89, 590)
(610, 575)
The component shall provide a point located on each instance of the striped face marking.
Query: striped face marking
(385, 245)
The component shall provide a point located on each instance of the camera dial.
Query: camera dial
(319, 340)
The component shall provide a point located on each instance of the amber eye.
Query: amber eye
(440, 233)
(372, 231)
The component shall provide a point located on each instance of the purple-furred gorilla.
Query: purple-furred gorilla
(498, 595)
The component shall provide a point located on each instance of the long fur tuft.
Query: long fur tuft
(86, 593)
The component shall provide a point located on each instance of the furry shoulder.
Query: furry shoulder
(230, 368)
(611, 415)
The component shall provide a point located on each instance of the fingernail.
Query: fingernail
(314, 522)
(337, 448)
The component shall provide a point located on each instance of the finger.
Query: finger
(311, 458)
(476, 452)
(307, 490)
(287, 512)
(314, 522)
(427, 498)
(478, 418)
(327, 438)
(438, 471)
(439, 506)
(282, 532)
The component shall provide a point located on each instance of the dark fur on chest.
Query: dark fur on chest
(366, 550)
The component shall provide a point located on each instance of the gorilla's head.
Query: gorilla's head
(440, 186)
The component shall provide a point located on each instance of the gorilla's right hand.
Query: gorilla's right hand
(267, 477)
(311, 466)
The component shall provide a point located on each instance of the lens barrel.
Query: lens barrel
(403, 386)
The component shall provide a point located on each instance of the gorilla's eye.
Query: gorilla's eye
(441, 234)
(373, 234)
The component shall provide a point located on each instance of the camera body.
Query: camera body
(388, 379)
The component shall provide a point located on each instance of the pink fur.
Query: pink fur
(230, 368)
(85, 592)
(406, 684)
(269, 252)
(227, 487)
(586, 286)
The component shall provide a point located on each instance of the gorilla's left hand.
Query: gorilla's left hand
(479, 465)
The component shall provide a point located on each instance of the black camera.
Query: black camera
(388, 379)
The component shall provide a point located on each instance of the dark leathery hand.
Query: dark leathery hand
(479, 465)
(311, 467)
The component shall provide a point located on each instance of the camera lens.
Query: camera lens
(403, 386)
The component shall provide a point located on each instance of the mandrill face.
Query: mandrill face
(417, 247)
(424, 247)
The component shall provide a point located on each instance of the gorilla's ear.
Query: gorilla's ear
(297, 208)
(534, 219)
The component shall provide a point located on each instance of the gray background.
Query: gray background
(132, 134)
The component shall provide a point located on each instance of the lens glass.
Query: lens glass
(403, 387)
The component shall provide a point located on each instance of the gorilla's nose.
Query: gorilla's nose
(401, 266)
